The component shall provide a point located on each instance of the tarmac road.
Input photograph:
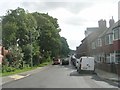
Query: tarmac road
(58, 76)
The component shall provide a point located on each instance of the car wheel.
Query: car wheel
(77, 70)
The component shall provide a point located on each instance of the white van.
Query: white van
(86, 63)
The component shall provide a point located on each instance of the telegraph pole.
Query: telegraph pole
(31, 50)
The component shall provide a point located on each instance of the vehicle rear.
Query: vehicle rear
(86, 63)
(56, 61)
(65, 61)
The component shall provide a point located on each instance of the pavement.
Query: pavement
(18, 76)
(107, 75)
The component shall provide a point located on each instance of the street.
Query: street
(58, 76)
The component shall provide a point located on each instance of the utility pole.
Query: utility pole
(31, 50)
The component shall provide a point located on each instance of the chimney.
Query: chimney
(102, 23)
(111, 22)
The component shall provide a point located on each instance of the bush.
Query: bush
(8, 69)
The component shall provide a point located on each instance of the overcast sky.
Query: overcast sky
(74, 16)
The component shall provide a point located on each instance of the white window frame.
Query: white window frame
(116, 58)
(108, 58)
(112, 57)
(99, 42)
(110, 38)
(115, 38)
(93, 45)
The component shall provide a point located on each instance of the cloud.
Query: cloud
(73, 15)
(67, 12)
(73, 7)
(7, 5)
(75, 20)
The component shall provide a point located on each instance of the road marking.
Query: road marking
(16, 77)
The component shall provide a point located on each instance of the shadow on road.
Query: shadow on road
(113, 83)
(69, 67)
(94, 77)
(88, 73)
(82, 73)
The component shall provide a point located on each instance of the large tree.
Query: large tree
(19, 29)
(48, 28)
(36, 34)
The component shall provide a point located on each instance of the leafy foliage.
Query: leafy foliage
(32, 38)
(48, 28)
(64, 47)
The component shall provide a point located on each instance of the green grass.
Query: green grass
(18, 71)
(25, 69)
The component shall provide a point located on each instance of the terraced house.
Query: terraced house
(104, 45)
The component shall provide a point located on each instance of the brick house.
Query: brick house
(104, 45)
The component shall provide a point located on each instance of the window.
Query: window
(117, 57)
(112, 56)
(96, 43)
(93, 45)
(116, 34)
(106, 39)
(107, 58)
(99, 42)
(111, 39)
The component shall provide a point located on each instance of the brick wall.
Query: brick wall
(112, 68)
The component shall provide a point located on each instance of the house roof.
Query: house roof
(99, 33)
(109, 30)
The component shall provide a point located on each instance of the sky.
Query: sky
(74, 16)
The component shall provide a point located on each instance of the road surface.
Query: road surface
(58, 76)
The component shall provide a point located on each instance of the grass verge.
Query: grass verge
(24, 69)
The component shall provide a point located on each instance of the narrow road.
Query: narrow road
(57, 76)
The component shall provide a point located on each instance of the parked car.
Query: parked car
(56, 61)
(86, 63)
(65, 61)
(76, 64)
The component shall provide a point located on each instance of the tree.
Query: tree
(19, 29)
(64, 47)
(34, 35)
(49, 39)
